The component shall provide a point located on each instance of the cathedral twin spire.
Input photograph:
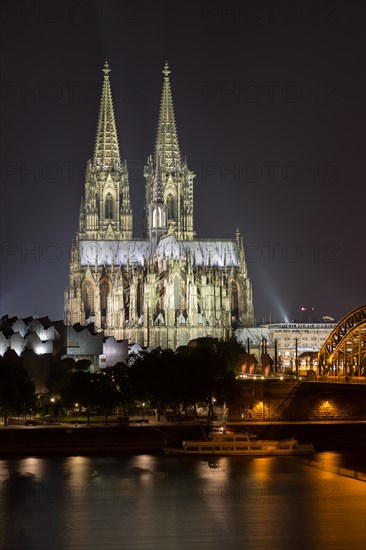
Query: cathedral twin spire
(128, 300)
(167, 177)
(106, 212)
(106, 154)
(167, 138)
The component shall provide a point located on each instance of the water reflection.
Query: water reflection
(153, 502)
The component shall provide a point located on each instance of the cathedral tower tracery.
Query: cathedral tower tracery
(168, 287)
(176, 179)
(106, 209)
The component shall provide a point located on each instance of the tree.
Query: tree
(82, 365)
(59, 375)
(148, 380)
(231, 353)
(80, 388)
(17, 391)
(120, 373)
(211, 371)
(91, 390)
(175, 382)
(106, 394)
(178, 380)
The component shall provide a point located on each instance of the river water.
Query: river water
(154, 502)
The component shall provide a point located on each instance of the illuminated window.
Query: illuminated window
(172, 215)
(139, 304)
(104, 292)
(109, 207)
(176, 293)
(88, 299)
(234, 300)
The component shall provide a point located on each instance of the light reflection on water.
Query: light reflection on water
(149, 502)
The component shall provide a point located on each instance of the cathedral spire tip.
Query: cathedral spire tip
(106, 70)
(166, 72)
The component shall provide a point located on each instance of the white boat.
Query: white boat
(231, 443)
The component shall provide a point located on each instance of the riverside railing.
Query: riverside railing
(337, 379)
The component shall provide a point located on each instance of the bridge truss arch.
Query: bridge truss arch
(344, 351)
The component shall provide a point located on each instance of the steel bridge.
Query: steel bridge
(344, 351)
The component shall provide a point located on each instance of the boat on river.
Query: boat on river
(230, 443)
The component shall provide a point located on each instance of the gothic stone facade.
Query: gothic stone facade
(167, 287)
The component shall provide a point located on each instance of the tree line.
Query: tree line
(162, 379)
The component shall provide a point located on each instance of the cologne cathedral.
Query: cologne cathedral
(166, 287)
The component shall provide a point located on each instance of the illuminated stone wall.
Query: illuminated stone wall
(281, 400)
(168, 287)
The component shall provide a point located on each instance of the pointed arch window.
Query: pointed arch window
(88, 299)
(171, 207)
(234, 302)
(109, 207)
(104, 293)
(126, 299)
(176, 293)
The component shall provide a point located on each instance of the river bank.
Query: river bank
(112, 440)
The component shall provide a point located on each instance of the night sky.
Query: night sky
(270, 108)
